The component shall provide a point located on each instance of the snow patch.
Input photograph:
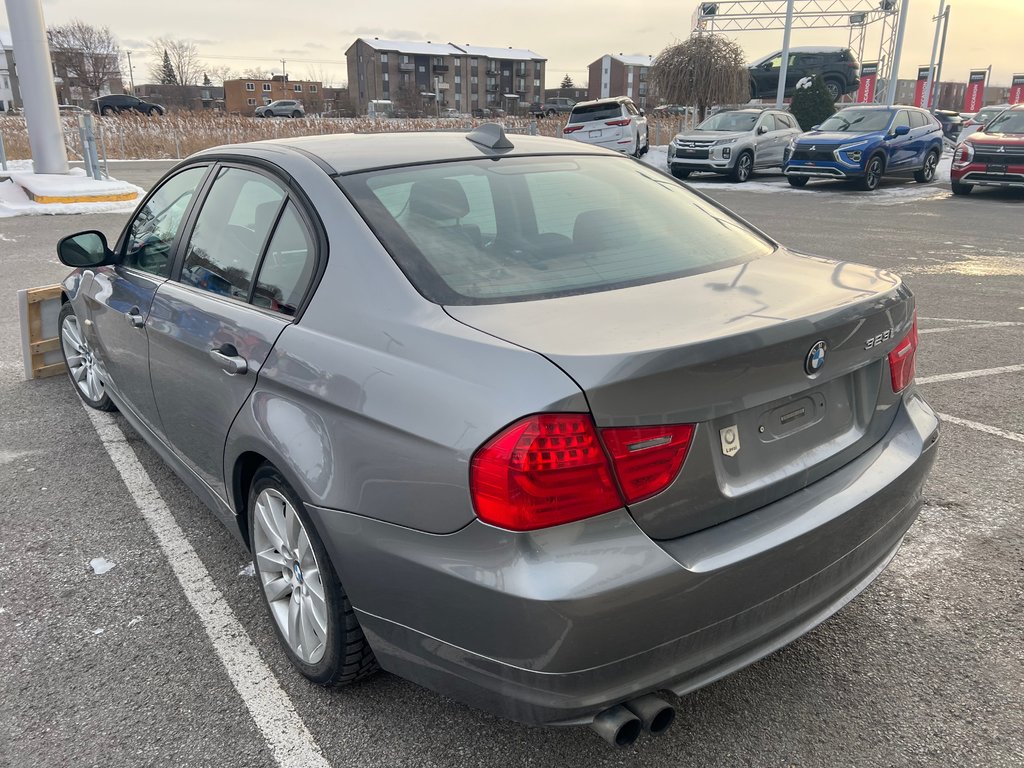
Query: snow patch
(15, 202)
(804, 82)
(248, 570)
(101, 565)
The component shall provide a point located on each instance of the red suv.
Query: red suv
(993, 156)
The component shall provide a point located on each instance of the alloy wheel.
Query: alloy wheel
(873, 173)
(929, 166)
(290, 575)
(81, 363)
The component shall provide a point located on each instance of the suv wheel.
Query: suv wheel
(107, 110)
(551, 113)
(797, 181)
(872, 174)
(743, 167)
(835, 89)
(296, 113)
(927, 173)
(961, 189)
(681, 173)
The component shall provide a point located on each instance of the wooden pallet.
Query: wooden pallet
(40, 336)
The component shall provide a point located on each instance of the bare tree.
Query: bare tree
(219, 74)
(183, 55)
(257, 73)
(320, 74)
(702, 71)
(86, 53)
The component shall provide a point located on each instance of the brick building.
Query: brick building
(619, 75)
(425, 77)
(242, 96)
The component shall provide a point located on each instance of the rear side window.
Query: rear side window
(595, 112)
(543, 227)
(287, 266)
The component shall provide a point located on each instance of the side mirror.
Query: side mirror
(815, 127)
(642, 113)
(762, 129)
(902, 130)
(86, 249)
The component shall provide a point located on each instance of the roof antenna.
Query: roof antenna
(491, 136)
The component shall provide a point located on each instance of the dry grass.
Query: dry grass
(134, 137)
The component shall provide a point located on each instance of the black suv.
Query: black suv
(838, 67)
(122, 102)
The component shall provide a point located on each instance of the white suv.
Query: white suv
(613, 123)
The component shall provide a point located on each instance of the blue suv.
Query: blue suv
(864, 142)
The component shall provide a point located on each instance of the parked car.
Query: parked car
(993, 156)
(734, 142)
(514, 418)
(117, 103)
(951, 123)
(611, 123)
(281, 108)
(483, 113)
(71, 110)
(863, 143)
(554, 106)
(977, 121)
(671, 110)
(837, 67)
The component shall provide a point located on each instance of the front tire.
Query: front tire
(308, 607)
(797, 181)
(961, 189)
(927, 173)
(872, 174)
(680, 173)
(80, 363)
(107, 111)
(743, 168)
(296, 113)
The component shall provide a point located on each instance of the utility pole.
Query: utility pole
(942, 52)
(780, 93)
(131, 74)
(929, 104)
(894, 71)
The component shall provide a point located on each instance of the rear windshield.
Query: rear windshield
(858, 121)
(729, 121)
(520, 228)
(595, 112)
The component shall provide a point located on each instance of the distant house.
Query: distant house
(194, 98)
(70, 89)
(243, 95)
(10, 95)
(620, 75)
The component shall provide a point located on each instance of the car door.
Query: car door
(921, 127)
(764, 143)
(118, 299)
(901, 148)
(212, 328)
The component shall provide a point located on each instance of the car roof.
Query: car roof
(610, 100)
(346, 153)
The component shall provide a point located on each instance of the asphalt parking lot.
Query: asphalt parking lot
(926, 668)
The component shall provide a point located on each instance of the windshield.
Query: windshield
(593, 112)
(858, 121)
(729, 121)
(1011, 121)
(519, 228)
(986, 115)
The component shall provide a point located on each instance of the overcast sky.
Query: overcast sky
(312, 35)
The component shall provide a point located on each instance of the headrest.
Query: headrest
(438, 199)
(598, 229)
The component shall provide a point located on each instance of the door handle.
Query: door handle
(134, 318)
(233, 364)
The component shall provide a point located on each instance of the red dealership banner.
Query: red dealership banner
(974, 96)
(868, 81)
(1017, 89)
(922, 79)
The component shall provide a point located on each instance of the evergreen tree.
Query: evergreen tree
(812, 103)
(167, 76)
(206, 80)
(567, 82)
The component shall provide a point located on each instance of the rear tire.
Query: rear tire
(835, 89)
(872, 174)
(680, 173)
(296, 113)
(797, 181)
(961, 189)
(107, 111)
(319, 632)
(927, 173)
(743, 168)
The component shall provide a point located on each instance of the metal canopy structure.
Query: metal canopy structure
(858, 15)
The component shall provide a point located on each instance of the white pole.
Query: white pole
(894, 72)
(784, 69)
(931, 64)
(39, 98)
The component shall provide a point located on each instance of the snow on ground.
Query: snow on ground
(14, 201)
(894, 189)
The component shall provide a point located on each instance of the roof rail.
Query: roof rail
(490, 135)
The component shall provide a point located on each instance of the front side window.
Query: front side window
(902, 118)
(151, 235)
(230, 232)
(521, 228)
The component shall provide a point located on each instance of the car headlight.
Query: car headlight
(964, 153)
(723, 142)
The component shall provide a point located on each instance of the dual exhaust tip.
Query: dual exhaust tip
(622, 724)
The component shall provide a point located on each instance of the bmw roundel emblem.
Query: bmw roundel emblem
(815, 359)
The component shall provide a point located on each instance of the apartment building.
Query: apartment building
(619, 75)
(9, 95)
(243, 95)
(426, 77)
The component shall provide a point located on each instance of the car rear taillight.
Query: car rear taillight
(903, 360)
(647, 459)
(572, 128)
(617, 122)
(551, 468)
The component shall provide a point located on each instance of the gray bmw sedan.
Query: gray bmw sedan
(522, 420)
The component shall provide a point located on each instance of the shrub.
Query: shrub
(812, 104)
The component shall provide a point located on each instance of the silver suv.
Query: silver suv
(281, 108)
(734, 142)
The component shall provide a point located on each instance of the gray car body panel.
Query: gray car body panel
(372, 402)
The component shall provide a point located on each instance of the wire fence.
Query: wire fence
(136, 137)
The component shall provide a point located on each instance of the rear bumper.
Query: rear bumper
(554, 626)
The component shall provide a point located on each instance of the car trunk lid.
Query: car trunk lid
(727, 350)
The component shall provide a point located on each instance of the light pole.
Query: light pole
(942, 53)
(131, 74)
(894, 70)
(931, 64)
(784, 65)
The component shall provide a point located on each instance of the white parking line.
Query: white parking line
(970, 374)
(272, 710)
(970, 327)
(1015, 436)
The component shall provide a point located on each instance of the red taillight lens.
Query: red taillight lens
(572, 128)
(544, 470)
(647, 459)
(903, 360)
(617, 122)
